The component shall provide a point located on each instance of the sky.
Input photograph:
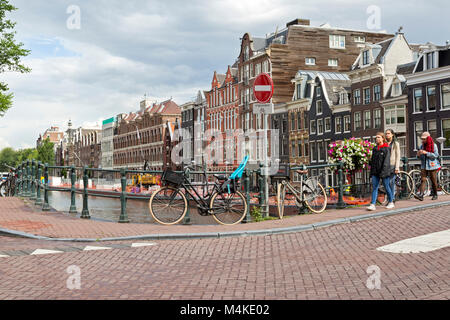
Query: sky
(94, 59)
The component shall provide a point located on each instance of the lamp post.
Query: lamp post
(441, 140)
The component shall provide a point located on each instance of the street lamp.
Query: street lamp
(441, 140)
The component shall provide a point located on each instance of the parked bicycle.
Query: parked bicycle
(309, 193)
(443, 180)
(404, 188)
(224, 202)
(8, 187)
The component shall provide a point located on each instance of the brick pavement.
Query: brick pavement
(25, 217)
(328, 263)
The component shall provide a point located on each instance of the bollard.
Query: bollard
(38, 191)
(248, 217)
(123, 198)
(85, 211)
(33, 180)
(73, 207)
(45, 206)
(341, 204)
(187, 216)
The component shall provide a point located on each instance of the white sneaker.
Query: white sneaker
(390, 205)
(371, 207)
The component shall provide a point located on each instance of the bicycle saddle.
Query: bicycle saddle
(220, 177)
(302, 171)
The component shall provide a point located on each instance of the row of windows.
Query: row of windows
(367, 95)
(136, 156)
(431, 100)
(311, 61)
(222, 96)
(252, 70)
(319, 126)
(432, 129)
(300, 148)
(133, 139)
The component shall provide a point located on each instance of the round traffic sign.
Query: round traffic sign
(263, 88)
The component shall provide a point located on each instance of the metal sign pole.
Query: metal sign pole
(266, 169)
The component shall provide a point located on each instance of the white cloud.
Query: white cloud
(164, 49)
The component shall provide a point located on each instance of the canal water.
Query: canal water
(108, 209)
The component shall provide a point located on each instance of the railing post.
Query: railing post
(45, 206)
(85, 211)
(187, 216)
(261, 187)
(19, 177)
(248, 217)
(73, 177)
(33, 180)
(404, 194)
(38, 191)
(123, 197)
(27, 182)
(303, 209)
(341, 204)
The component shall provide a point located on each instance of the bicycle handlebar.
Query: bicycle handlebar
(9, 167)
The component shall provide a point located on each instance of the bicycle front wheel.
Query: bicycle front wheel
(314, 195)
(3, 189)
(168, 205)
(228, 208)
(281, 196)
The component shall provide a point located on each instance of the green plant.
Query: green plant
(256, 214)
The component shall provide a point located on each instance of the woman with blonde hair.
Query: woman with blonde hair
(380, 169)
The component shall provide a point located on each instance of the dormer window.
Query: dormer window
(299, 91)
(365, 57)
(396, 89)
(430, 60)
(343, 98)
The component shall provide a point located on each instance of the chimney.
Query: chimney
(302, 22)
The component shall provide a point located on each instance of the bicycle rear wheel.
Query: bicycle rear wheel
(417, 179)
(168, 205)
(228, 208)
(314, 195)
(444, 180)
(3, 190)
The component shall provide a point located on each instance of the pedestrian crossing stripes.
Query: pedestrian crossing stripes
(7, 254)
(425, 243)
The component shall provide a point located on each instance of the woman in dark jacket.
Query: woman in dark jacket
(380, 169)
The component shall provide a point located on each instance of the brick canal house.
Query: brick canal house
(329, 118)
(139, 136)
(87, 147)
(429, 98)
(281, 54)
(371, 76)
(222, 120)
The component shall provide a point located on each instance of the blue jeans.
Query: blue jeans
(392, 184)
(376, 185)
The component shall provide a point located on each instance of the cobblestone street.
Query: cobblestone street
(328, 263)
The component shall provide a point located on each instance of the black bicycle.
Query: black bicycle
(224, 201)
(8, 187)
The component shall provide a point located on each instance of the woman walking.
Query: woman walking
(380, 169)
(429, 164)
(395, 157)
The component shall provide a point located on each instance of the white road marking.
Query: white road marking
(44, 251)
(3, 256)
(425, 243)
(90, 248)
(136, 245)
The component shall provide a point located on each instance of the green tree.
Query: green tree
(10, 54)
(46, 153)
(9, 157)
(26, 154)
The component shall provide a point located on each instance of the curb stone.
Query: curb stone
(205, 235)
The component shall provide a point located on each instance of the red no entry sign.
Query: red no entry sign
(263, 88)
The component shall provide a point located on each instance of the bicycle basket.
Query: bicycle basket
(172, 177)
